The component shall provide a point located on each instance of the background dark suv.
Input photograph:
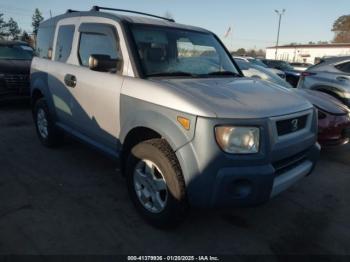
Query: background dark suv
(292, 76)
(15, 59)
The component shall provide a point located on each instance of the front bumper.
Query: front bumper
(216, 179)
(256, 185)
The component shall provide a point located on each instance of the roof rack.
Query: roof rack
(98, 8)
(71, 11)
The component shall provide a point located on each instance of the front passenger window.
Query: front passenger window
(94, 43)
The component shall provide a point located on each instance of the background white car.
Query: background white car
(259, 63)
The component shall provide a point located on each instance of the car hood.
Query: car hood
(323, 101)
(238, 97)
(15, 66)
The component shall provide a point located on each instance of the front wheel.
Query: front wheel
(47, 132)
(155, 183)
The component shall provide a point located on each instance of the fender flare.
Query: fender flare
(162, 123)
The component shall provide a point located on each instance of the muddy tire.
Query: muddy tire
(156, 184)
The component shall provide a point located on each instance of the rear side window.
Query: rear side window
(44, 41)
(64, 42)
(345, 67)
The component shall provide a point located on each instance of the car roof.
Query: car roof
(133, 19)
(12, 42)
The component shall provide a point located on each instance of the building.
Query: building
(307, 53)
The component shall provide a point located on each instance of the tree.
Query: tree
(13, 29)
(341, 28)
(251, 53)
(36, 20)
(3, 30)
(241, 51)
(260, 53)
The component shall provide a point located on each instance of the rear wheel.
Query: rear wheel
(155, 183)
(48, 134)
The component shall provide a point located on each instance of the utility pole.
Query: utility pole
(279, 13)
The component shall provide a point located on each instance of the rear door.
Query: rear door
(334, 77)
(344, 69)
(63, 96)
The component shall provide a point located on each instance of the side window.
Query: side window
(44, 42)
(64, 42)
(345, 67)
(98, 39)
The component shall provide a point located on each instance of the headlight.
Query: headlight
(238, 140)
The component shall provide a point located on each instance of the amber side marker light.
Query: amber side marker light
(186, 123)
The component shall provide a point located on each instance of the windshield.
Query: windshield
(257, 62)
(16, 52)
(285, 66)
(280, 65)
(177, 52)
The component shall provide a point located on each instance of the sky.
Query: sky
(253, 22)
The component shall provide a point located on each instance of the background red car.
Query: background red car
(333, 118)
(333, 115)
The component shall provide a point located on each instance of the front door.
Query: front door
(89, 99)
(98, 92)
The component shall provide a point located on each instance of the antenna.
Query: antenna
(98, 8)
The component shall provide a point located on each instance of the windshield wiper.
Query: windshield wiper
(176, 73)
(223, 73)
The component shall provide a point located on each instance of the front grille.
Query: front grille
(286, 164)
(16, 81)
(291, 125)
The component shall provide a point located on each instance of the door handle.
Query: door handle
(70, 80)
(342, 78)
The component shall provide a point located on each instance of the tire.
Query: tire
(158, 152)
(51, 136)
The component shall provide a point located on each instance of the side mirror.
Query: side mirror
(104, 63)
